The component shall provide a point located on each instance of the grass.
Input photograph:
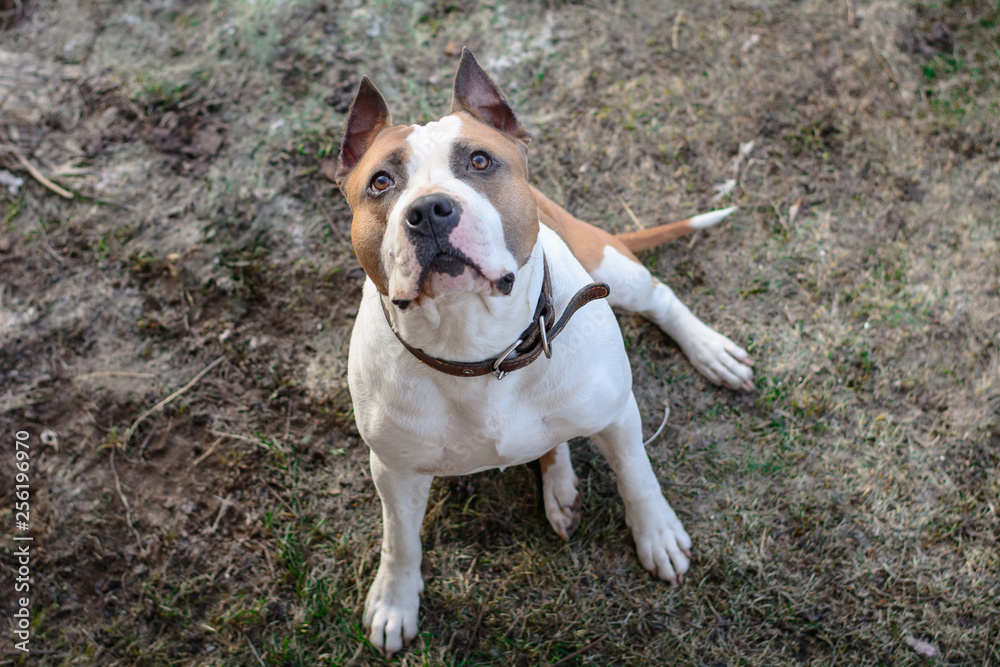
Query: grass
(844, 507)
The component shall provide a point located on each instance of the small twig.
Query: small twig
(676, 32)
(628, 210)
(281, 500)
(87, 376)
(162, 404)
(236, 436)
(329, 220)
(889, 70)
(225, 504)
(295, 31)
(479, 621)
(989, 651)
(37, 175)
(675, 616)
(572, 655)
(145, 443)
(850, 14)
(184, 308)
(288, 422)
(689, 485)
(191, 100)
(270, 563)
(124, 500)
(254, 650)
(244, 77)
(47, 246)
(357, 654)
(208, 452)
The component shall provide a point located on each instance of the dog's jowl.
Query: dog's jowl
(484, 338)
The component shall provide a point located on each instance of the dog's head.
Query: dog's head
(442, 207)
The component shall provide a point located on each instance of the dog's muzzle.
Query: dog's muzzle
(428, 222)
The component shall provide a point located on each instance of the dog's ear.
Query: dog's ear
(476, 94)
(368, 116)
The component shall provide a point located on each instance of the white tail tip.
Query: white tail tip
(711, 218)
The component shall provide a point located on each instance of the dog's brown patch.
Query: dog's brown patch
(509, 192)
(547, 460)
(585, 240)
(389, 152)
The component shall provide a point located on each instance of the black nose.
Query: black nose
(432, 215)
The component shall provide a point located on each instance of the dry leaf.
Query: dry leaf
(723, 189)
(921, 647)
(794, 210)
(10, 181)
(741, 155)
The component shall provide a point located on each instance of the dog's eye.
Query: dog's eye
(380, 182)
(480, 161)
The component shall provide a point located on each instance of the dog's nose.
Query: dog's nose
(432, 215)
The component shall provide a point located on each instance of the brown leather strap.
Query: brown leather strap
(530, 342)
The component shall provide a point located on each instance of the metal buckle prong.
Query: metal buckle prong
(503, 356)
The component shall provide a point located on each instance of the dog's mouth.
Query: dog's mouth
(450, 264)
(454, 265)
(445, 271)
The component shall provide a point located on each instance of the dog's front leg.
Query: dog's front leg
(394, 598)
(662, 544)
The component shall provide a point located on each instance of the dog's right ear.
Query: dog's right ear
(368, 116)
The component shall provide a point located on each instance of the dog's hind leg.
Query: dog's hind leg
(634, 288)
(559, 491)
(610, 259)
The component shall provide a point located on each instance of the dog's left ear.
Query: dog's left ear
(476, 94)
(369, 115)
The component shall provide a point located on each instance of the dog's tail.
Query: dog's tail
(644, 239)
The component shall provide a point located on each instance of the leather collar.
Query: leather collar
(530, 344)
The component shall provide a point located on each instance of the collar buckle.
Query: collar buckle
(499, 372)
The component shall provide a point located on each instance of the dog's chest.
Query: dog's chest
(479, 430)
(416, 418)
(458, 428)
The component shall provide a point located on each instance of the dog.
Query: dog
(485, 336)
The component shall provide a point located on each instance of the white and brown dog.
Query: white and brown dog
(455, 365)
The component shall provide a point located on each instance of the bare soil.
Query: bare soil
(844, 513)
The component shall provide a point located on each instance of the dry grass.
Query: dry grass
(847, 506)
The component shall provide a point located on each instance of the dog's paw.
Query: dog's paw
(719, 359)
(391, 610)
(559, 491)
(562, 503)
(662, 544)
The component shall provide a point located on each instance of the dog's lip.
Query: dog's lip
(452, 264)
(447, 263)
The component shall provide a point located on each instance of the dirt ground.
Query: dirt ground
(174, 331)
